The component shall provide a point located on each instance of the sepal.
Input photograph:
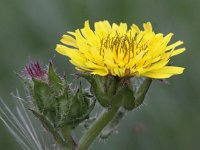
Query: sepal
(142, 91)
(103, 88)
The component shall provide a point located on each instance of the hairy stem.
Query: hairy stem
(47, 125)
(96, 128)
(71, 144)
(111, 127)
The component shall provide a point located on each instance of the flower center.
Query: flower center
(118, 43)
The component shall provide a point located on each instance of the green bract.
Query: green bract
(58, 106)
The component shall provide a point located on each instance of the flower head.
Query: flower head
(34, 70)
(119, 51)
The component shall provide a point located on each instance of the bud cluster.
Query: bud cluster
(56, 104)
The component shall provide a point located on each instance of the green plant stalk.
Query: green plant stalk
(111, 127)
(96, 128)
(47, 125)
(71, 144)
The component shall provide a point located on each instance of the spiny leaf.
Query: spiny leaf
(55, 82)
(43, 96)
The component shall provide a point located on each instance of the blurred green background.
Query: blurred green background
(169, 119)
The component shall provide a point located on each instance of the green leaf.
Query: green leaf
(55, 82)
(42, 95)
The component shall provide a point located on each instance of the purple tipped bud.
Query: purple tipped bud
(33, 70)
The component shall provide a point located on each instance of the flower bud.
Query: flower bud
(75, 108)
(54, 99)
(34, 70)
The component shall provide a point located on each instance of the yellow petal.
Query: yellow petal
(71, 53)
(61, 49)
(170, 70)
(89, 34)
(93, 66)
(108, 59)
(147, 26)
(96, 69)
(102, 72)
(107, 25)
(167, 38)
(68, 40)
(177, 51)
(174, 45)
(79, 37)
(71, 33)
(114, 26)
(122, 28)
(102, 26)
(164, 72)
(156, 75)
(135, 28)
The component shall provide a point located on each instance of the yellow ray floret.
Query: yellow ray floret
(119, 51)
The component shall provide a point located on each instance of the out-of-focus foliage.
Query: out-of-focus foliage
(169, 120)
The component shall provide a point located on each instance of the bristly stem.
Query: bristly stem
(47, 125)
(111, 127)
(96, 128)
(71, 144)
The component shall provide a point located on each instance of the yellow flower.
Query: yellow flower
(119, 51)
